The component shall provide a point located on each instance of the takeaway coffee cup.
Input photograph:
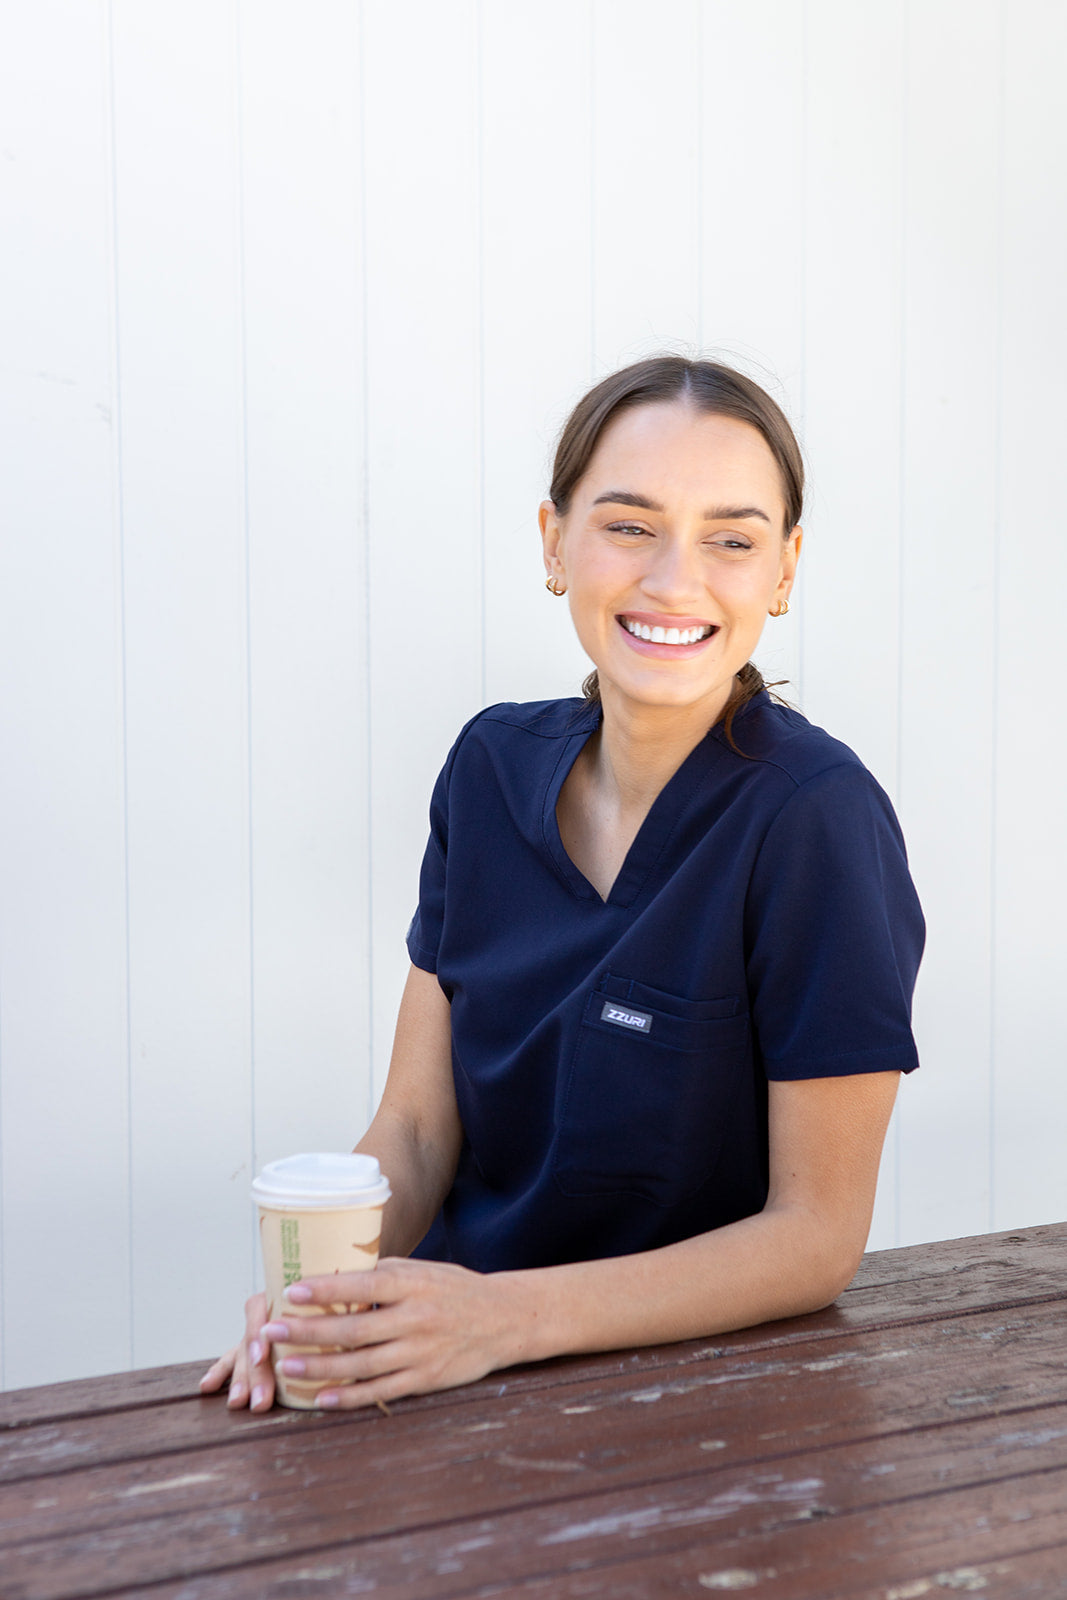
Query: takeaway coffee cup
(317, 1214)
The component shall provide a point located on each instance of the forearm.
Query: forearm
(779, 1263)
(795, 1256)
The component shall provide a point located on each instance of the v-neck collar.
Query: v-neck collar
(651, 837)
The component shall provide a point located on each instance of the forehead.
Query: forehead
(670, 452)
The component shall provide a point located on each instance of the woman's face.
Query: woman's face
(673, 554)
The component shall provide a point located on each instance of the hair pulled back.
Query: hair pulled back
(707, 387)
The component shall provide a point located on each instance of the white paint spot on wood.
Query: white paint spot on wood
(828, 1363)
(763, 1490)
(577, 1411)
(183, 1482)
(647, 1396)
(43, 1505)
(1033, 1439)
(483, 1427)
(967, 1580)
(507, 1460)
(732, 1578)
(713, 1444)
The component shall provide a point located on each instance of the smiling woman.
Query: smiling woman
(662, 960)
(718, 395)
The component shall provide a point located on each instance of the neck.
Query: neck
(640, 748)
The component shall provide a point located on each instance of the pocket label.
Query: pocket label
(624, 1017)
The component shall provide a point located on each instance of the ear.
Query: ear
(551, 540)
(790, 557)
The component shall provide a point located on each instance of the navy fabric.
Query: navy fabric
(611, 1058)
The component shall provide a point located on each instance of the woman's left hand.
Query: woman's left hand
(428, 1325)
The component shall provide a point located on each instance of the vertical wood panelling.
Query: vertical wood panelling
(294, 303)
(849, 600)
(852, 375)
(186, 686)
(307, 579)
(645, 192)
(948, 610)
(536, 242)
(1030, 1174)
(752, 224)
(63, 1113)
(424, 622)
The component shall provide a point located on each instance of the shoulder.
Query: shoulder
(785, 744)
(520, 739)
(532, 728)
(800, 780)
(539, 719)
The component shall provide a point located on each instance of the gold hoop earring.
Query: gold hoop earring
(553, 588)
(780, 609)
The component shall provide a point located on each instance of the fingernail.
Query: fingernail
(237, 1394)
(298, 1293)
(255, 1352)
(276, 1330)
(294, 1366)
(259, 1395)
(328, 1399)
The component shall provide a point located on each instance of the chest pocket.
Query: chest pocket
(649, 1092)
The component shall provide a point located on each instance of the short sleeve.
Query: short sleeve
(834, 933)
(424, 930)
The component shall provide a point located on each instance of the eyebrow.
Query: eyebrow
(626, 497)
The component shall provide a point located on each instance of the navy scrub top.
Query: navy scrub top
(611, 1058)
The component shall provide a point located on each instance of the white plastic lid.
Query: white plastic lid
(320, 1182)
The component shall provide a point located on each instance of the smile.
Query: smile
(658, 635)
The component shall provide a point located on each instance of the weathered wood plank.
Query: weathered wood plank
(875, 1381)
(815, 1528)
(932, 1547)
(734, 1423)
(891, 1286)
(88, 1397)
(927, 1373)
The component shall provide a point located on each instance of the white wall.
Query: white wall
(293, 301)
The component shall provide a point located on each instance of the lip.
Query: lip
(666, 652)
(661, 619)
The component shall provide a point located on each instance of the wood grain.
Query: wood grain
(907, 1439)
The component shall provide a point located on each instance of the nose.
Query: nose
(674, 575)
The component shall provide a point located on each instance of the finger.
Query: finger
(341, 1366)
(373, 1392)
(217, 1374)
(253, 1379)
(353, 1331)
(260, 1380)
(339, 1289)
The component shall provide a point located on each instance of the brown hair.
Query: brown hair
(710, 388)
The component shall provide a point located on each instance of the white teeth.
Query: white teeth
(660, 635)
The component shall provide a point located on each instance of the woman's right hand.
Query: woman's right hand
(247, 1366)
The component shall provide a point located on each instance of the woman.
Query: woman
(663, 956)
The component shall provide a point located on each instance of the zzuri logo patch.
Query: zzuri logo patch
(626, 1017)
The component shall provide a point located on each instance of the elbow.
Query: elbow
(836, 1268)
(825, 1259)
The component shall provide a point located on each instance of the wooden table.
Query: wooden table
(911, 1441)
